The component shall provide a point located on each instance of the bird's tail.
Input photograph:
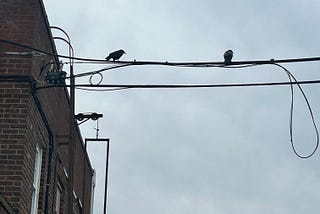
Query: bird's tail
(108, 58)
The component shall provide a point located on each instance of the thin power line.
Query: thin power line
(166, 63)
(102, 90)
(99, 71)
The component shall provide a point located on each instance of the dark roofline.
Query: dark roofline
(45, 18)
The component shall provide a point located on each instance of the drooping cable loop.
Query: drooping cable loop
(292, 79)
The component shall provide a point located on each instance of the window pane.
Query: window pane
(36, 180)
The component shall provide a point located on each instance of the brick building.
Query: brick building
(35, 124)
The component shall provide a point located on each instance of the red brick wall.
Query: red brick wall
(21, 125)
(13, 120)
(5, 207)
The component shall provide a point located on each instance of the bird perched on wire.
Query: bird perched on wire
(115, 55)
(228, 56)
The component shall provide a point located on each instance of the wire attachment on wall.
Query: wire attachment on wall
(83, 117)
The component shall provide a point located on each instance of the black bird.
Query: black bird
(228, 56)
(115, 55)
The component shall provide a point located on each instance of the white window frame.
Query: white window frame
(58, 198)
(36, 180)
(93, 186)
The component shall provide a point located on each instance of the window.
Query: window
(36, 180)
(58, 198)
(93, 185)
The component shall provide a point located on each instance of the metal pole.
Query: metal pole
(106, 180)
(107, 140)
(71, 122)
(71, 143)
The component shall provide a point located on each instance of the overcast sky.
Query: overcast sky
(180, 151)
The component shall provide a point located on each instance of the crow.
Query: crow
(228, 56)
(115, 55)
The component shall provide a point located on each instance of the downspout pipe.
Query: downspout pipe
(51, 146)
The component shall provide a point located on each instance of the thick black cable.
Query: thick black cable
(291, 76)
(181, 86)
(68, 41)
(71, 50)
(191, 64)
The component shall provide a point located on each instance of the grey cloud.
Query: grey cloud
(205, 150)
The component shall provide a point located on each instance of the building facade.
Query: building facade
(35, 123)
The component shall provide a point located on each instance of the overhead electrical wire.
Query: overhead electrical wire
(292, 77)
(186, 64)
(235, 64)
(177, 86)
(89, 73)
(102, 90)
(292, 81)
